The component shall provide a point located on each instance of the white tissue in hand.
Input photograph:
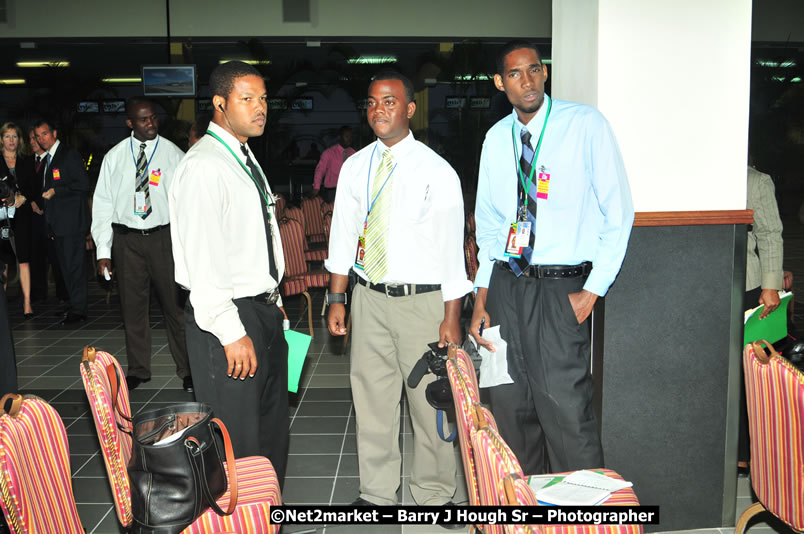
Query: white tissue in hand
(494, 366)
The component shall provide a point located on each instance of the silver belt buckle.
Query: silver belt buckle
(273, 296)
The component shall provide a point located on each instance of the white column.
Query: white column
(673, 80)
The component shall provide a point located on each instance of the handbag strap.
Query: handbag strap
(231, 467)
(114, 382)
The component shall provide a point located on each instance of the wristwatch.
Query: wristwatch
(336, 298)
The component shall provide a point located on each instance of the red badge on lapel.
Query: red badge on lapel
(56, 174)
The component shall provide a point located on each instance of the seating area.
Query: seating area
(488, 461)
(322, 467)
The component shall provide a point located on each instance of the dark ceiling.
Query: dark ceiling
(292, 61)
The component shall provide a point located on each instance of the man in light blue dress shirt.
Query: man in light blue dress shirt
(553, 220)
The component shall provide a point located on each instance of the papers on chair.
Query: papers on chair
(494, 365)
(537, 482)
(590, 479)
(582, 488)
(773, 327)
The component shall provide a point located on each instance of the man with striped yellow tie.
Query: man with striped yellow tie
(398, 224)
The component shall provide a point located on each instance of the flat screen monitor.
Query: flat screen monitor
(168, 80)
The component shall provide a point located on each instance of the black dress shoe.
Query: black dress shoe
(187, 384)
(133, 382)
(27, 316)
(360, 501)
(73, 319)
(452, 526)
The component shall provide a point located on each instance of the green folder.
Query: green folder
(772, 328)
(298, 344)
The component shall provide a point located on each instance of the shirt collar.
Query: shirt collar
(535, 124)
(401, 148)
(230, 140)
(149, 143)
(53, 149)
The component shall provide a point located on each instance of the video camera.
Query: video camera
(438, 392)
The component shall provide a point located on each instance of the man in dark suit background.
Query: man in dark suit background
(43, 249)
(67, 213)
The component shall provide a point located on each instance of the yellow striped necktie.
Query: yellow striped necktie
(376, 259)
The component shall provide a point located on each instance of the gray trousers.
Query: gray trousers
(390, 334)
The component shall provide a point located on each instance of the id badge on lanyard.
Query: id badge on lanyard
(360, 255)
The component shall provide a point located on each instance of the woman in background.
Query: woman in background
(19, 172)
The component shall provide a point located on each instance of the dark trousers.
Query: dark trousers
(743, 442)
(43, 253)
(8, 359)
(71, 250)
(328, 194)
(140, 260)
(255, 410)
(549, 405)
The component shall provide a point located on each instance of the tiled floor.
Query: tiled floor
(322, 466)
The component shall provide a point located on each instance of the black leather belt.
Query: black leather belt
(123, 229)
(266, 298)
(553, 271)
(399, 290)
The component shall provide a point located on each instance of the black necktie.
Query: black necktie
(255, 172)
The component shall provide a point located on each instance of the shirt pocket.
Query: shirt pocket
(416, 203)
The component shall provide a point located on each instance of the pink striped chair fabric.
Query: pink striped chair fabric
(470, 256)
(495, 461)
(293, 245)
(279, 208)
(623, 497)
(775, 397)
(327, 224)
(297, 278)
(35, 485)
(258, 485)
(313, 222)
(463, 383)
(518, 493)
(327, 207)
(115, 443)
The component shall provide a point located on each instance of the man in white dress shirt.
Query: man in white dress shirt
(228, 253)
(137, 238)
(399, 205)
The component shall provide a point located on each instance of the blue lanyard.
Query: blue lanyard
(148, 162)
(370, 205)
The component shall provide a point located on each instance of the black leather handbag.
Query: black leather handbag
(176, 468)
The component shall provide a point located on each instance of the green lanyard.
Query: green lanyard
(259, 188)
(526, 187)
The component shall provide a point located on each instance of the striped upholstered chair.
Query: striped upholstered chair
(258, 487)
(463, 382)
(298, 279)
(495, 461)
(297, 214)
(279, 208)
(37, 493)
(516, 492)
(313, 222)
(775, 395)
